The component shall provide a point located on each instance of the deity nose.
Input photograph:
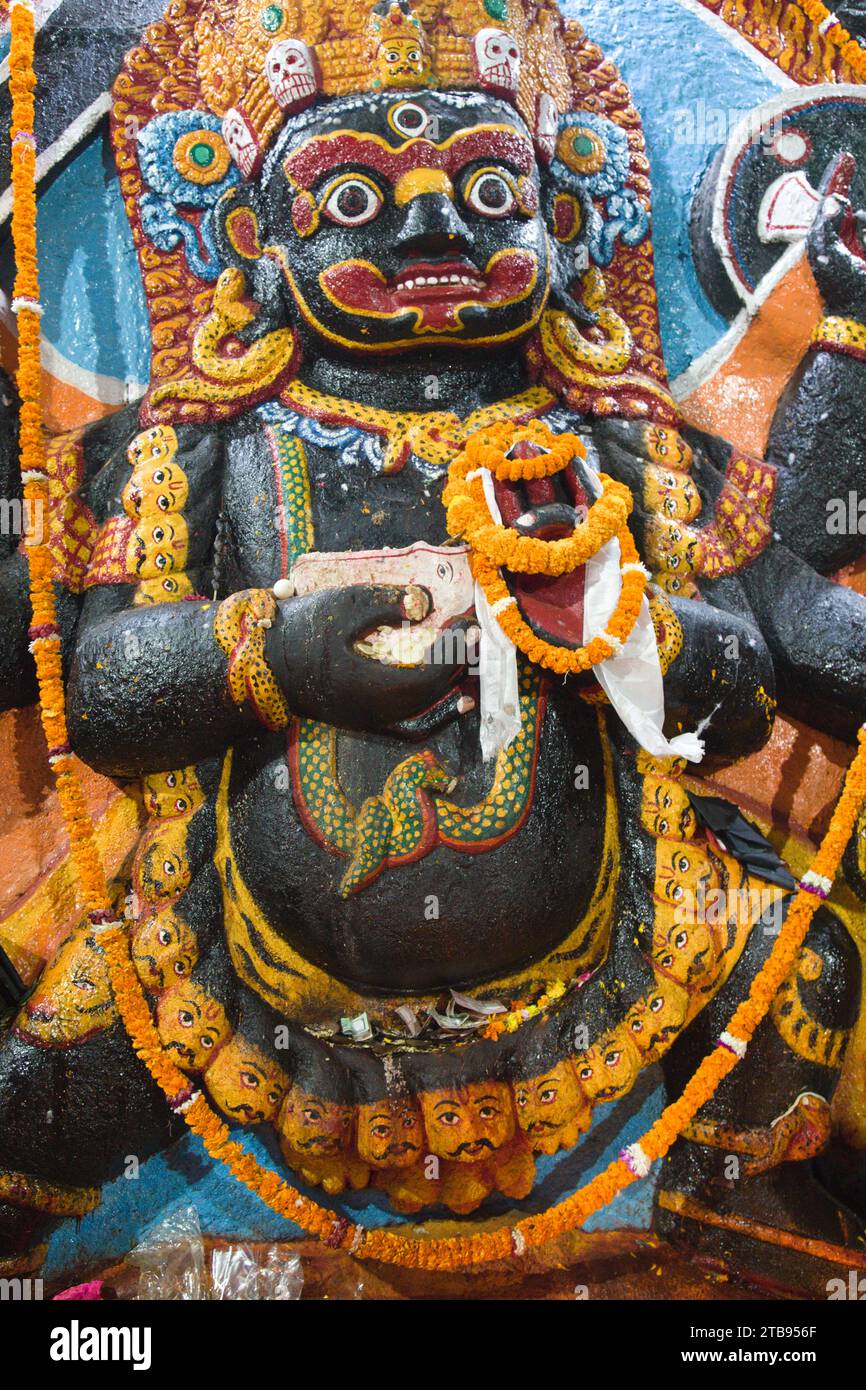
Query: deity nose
(433, 225)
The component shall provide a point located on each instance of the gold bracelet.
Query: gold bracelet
(240, 626)
(21, 1190)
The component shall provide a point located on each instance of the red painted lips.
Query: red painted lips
(436, 289)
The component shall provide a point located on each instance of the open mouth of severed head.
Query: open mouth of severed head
(535, 519)
(546, 509)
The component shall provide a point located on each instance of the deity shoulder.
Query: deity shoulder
(703, 509)
(119, 451)
(134, 504)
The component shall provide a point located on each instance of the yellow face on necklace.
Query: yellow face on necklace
(609, 1069)
(656, 1019)
(191, 1026)
(468, 1124)
(73, 996)
(314, 1127)
(246, 1085)
(672, 495)
(548, 1106)
(164, 950)
(390, 1133)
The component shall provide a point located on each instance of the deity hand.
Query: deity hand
(835, 245)
(311, 652)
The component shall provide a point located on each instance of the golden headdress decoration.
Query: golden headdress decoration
(345, 47)
(247, 66)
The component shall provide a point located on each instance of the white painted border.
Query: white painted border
(736, 40)
(109, 390)
(709, 362)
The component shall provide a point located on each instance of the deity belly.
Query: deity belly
(501, 882)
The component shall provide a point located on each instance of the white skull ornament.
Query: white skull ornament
(243, 142)
(497, 61)
(293, 74)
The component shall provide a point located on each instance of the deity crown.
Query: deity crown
(259, 62)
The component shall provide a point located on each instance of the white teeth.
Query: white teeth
(424, 280)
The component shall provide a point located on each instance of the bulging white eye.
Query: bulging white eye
(353, 202)
(491, 194)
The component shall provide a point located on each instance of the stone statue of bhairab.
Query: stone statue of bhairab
(417, 889)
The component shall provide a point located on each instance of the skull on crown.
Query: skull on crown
(243, 142)
(293, 74)
(497, 61)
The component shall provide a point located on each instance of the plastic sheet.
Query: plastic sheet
(174, 1265)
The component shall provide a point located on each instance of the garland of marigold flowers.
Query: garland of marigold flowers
(493, 547)
(830, 27)
(44, 631)
(337, 1232)
(635, 1162)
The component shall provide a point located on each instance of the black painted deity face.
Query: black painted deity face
(408, 221)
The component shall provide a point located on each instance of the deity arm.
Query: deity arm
(720, 682)
(66, 1131)
(17, 676)
(720, 541)
(85, 452)
(17, 673)
(818, 435)
(156, 684)
(816, 631)
(147, 687)
(818, 444)
(815, 628)
(155, 688)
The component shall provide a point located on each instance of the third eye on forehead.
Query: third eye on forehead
(324, 144)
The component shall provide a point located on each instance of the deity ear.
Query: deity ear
(241, 236)
(567, 216)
